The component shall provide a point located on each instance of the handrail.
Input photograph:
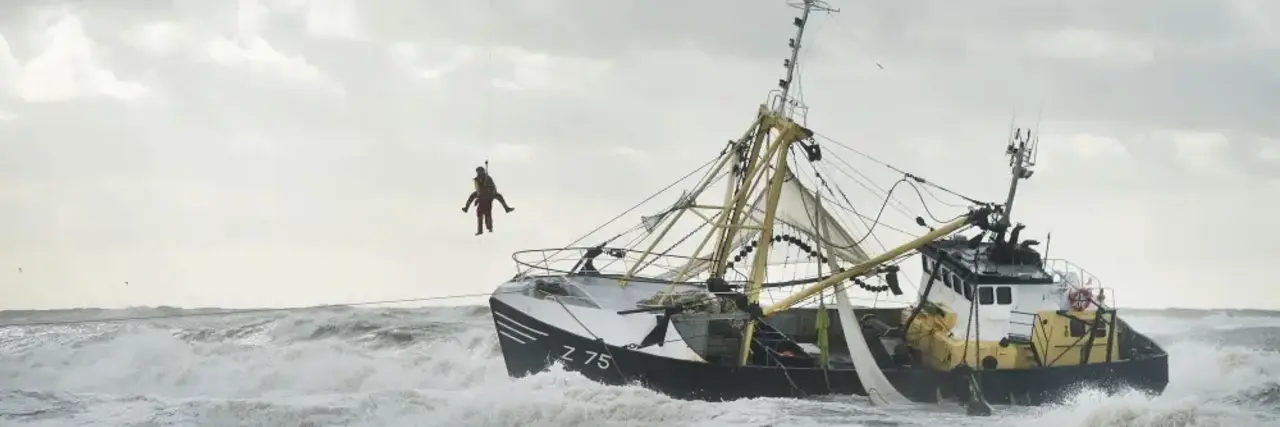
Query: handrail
(564, 265)
(546, 267)
(1059, 268)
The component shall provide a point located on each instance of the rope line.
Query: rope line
(243, 311)
(865, 182)
(598, 339)
(637, 206)
(914, 177)
(486, 110)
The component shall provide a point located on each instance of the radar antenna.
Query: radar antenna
(807, 6)
(1022, 157)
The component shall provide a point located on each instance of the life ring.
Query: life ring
(1080, 299)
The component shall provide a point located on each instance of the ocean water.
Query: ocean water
(442, 367)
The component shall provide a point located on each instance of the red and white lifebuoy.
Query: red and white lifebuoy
(1080, 299)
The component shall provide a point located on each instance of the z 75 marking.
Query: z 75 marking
(602, 361)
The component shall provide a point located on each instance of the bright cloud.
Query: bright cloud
(1200, 151)
(1094, 146)
(159, 38)
(338, 19)
(70, 66)
(430, 63)
(256, 55)
(522, 69)
(245, 47)
(1270, 151)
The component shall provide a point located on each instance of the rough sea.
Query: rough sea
(442, 367)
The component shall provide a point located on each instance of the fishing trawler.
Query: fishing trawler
(994, 321)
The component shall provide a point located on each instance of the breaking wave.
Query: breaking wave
(442, 367)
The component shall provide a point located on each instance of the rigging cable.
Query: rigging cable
(977, 324)
(922, 202)
(634, 207)
(889, 196)
(246, 311)
(870, 228)
(613, 360)
(659, 255)
(864, 218)
(899, 206)
(628, 246)
(849, 33)
(939, 199)
(896, 169)
(914, 181)
(685, 205)
(486, 96)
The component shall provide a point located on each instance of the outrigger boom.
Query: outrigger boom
(977, 217)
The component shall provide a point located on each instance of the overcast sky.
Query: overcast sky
(293, 152)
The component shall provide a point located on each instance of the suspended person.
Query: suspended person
(483, 196)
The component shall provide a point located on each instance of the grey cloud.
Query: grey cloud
(598, 29)
(379, 104)
(952, 47)
(1209, 69)
(385, 162)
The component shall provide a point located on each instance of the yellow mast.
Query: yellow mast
(750, 176)
(765, 161)
(788, 133)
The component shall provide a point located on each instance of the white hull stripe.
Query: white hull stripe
(511, 337)
(519, 324)
(512, 329)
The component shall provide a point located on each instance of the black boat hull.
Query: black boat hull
(543, 345)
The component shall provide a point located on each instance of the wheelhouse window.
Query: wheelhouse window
(1076, 328)
(995, 295)
(1004, 295)
(986, 295)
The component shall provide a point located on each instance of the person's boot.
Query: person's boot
(508, 208)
